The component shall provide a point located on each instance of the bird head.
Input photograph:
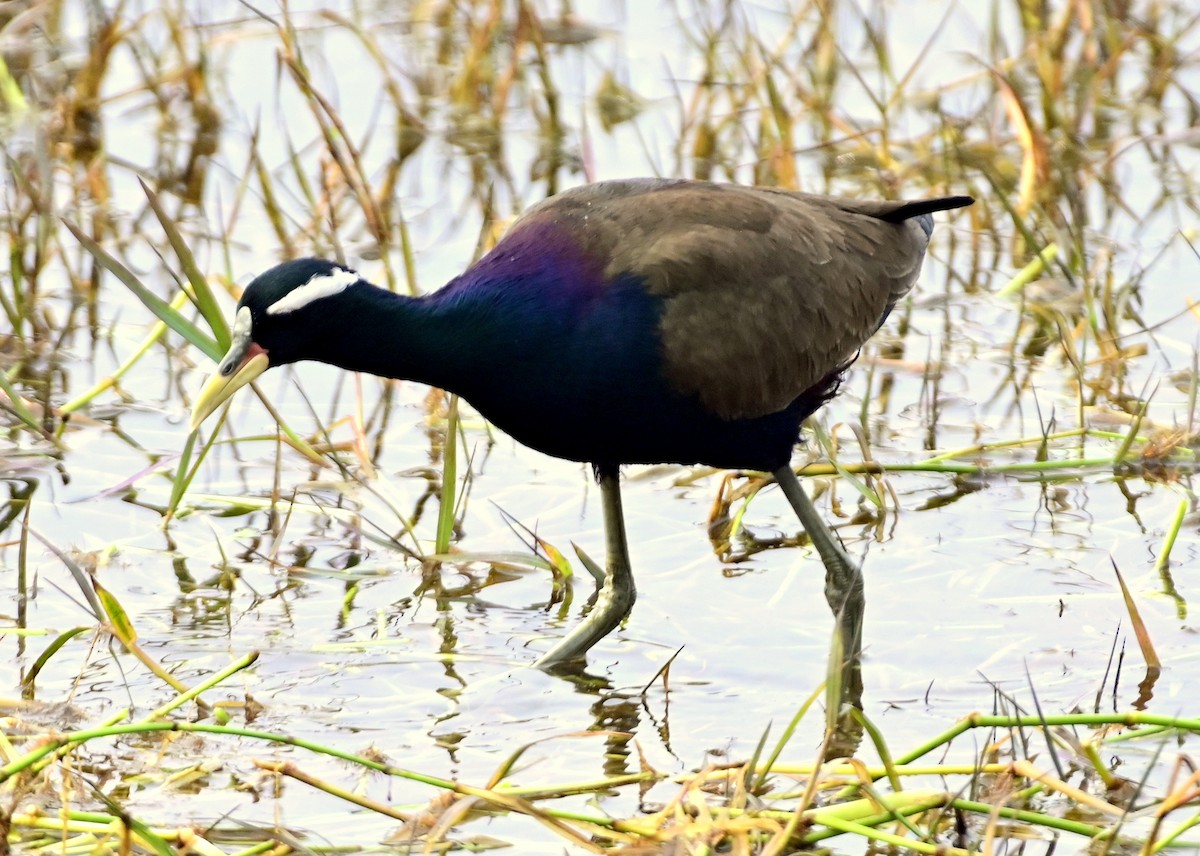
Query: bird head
(276, 318)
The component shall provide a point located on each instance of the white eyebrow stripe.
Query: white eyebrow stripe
(319, 286)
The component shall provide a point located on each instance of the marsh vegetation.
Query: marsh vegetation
(308, 628)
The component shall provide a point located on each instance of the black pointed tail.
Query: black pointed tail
(925, 206)
(922, 210)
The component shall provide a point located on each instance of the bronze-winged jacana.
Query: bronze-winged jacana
(624, 322)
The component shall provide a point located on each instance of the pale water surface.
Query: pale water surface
(1005, 583)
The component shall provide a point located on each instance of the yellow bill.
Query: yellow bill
(243, 363)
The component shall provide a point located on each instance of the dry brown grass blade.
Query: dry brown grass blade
(1035, 161)
(338, 141)
(1139, 626)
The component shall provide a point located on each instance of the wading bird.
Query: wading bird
(625, 322)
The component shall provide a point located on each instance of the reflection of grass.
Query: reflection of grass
(1053, 117)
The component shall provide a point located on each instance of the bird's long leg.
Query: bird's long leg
(846, 598)
(616, 596)
(843, 577)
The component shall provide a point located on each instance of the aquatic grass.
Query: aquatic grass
(113, 620)
(1063, 106)
(446, 497)
(1154, 461)
(708, 805)
(169, 315)
(544, 555)
(200, 293)
(1163, 560)
(161, 309)
(155, 335)
(15, 404)
(353, 519)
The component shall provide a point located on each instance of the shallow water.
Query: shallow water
(1004, 583)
